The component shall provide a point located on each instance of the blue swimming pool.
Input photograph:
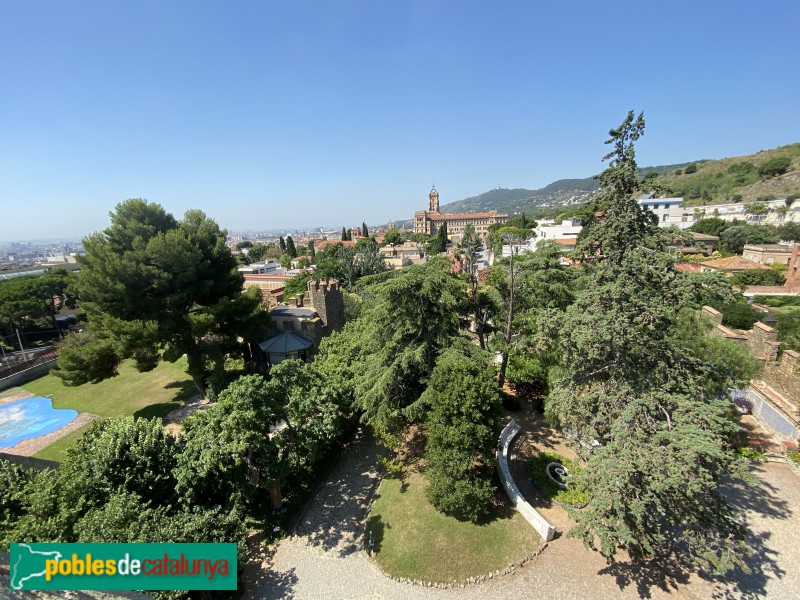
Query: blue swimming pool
(29, 418)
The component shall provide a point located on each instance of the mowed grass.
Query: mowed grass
(146, 395)
(414, 540)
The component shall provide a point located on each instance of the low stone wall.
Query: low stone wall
(783, 377)
(29, 462)
(771, 417)
(27, 375)
(542, 526)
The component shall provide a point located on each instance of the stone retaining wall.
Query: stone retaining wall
(542, 526)
(27, 375)
(771, 417)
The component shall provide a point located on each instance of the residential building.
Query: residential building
(669, 211)
(701, 243)
(777, 211)
(429, 222)
(768, 254)
(567, 231)
(397, 256)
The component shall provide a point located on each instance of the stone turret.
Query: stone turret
(326, 298)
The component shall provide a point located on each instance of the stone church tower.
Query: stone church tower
(433, 202)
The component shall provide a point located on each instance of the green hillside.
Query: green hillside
(563, 191)
(766, 175)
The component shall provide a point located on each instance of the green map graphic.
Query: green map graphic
(27, 564)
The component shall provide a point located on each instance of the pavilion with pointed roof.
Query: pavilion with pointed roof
(286, 346)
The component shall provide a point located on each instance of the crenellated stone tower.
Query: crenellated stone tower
(326, 298)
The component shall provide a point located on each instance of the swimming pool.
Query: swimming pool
(30, 418)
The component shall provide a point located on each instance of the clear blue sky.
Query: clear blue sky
(292, 113)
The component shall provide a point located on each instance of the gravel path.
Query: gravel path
(325, 559)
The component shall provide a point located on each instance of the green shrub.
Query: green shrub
(572, 496)
(794, 456)
(739, 315)
(775, 166)
(758, 277)
(751, 454)
(690, 168)
(777, 301)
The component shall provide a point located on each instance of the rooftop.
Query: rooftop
(284, 310)
(285, 343)
(475, 215)
(733, 263)
(769, 248)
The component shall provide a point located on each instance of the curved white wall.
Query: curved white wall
(532, 516)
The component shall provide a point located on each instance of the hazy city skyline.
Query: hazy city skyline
(270, 116)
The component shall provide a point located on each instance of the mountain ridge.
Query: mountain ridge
(729, 179)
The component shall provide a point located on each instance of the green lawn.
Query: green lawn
(413, 539)
(152, 394)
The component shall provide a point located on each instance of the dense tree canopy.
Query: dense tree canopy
(290, 248)
(735, 238)
(405, 321)
(349, 264)
(33, 298)
(156, 288)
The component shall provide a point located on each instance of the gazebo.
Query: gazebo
(286, 346)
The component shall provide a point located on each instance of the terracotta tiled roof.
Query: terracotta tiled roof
(733, 263)
(566, 241)
(262, 277)
(325, 243)
(685, 267)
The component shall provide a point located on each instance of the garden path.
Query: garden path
(325, 558)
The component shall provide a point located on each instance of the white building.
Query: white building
(565, 234)
(776, 211)
(568, 228)
(670, 211)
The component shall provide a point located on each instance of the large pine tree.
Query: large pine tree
(648, 408)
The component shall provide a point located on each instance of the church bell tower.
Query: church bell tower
(433, 201)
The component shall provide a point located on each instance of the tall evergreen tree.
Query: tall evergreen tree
(290, 249)
(282, 243)
(462, 423)
(649, 409)
(344, 234)
(364, 230)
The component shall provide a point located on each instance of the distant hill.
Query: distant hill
(563, 192)
(736, 179)
(709, 181)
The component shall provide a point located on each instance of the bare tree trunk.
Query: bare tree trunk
(509, 329)
(197, 372)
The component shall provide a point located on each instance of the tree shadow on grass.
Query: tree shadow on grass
(186, 388)
(185, 391)
(373, 534)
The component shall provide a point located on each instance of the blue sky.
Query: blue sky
(291, 113)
